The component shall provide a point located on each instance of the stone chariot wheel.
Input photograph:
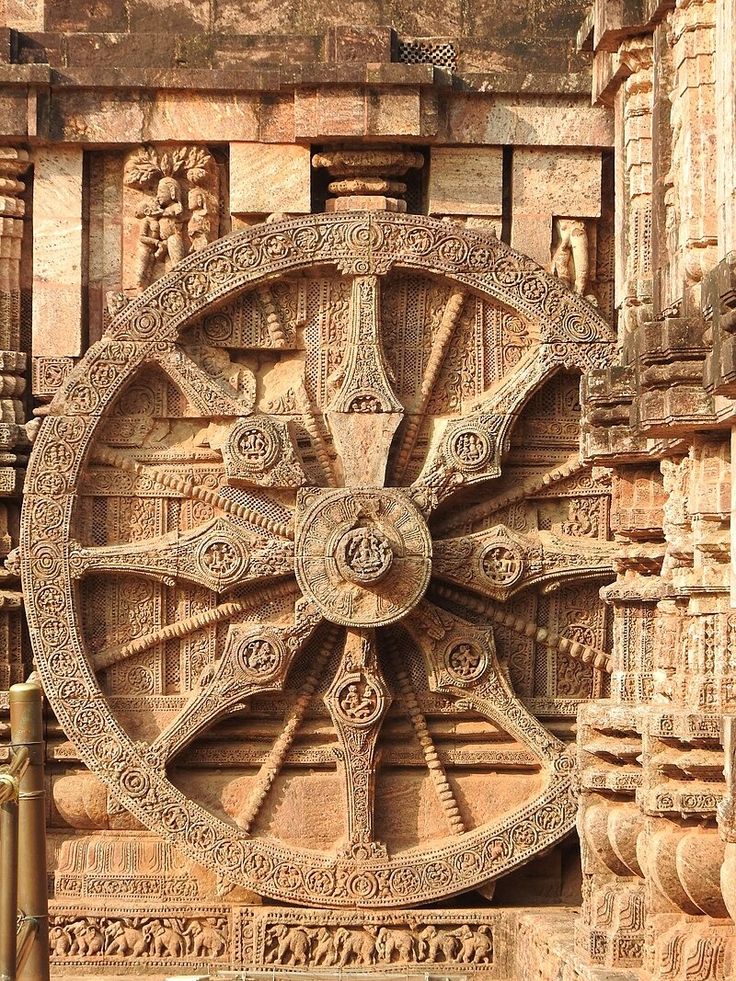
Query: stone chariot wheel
(249, 497)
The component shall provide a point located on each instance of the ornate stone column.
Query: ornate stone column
(13, 438)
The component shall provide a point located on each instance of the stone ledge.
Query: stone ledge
(544, 950)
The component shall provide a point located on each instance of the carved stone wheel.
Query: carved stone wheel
(248, 489)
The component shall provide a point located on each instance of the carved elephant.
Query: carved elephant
(399, 942)
(165, 940)
(355, 947)
(125, 940)
(292, 946)
(324, 949)
(208, 941)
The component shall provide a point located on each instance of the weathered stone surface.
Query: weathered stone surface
(465, 182)
(57, 252)
(265, 178)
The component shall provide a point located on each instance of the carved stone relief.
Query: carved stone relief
(243, 517)
(170, 208)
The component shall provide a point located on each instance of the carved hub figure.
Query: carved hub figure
(286, 484)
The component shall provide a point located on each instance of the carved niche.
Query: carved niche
(308, 542)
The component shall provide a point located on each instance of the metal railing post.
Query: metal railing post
(8, 879)
(26, 727)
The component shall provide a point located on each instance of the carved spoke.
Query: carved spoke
(578, 651)
(471, 447)
(272, 765)
(450, 318)
(499, 562)
(467, 517)
(256, 659)
(365, 413)
(217, 555)
(190, 625)
(188, 488)
(437, 773)
(357, 701)
(207, 393)
(460, 658)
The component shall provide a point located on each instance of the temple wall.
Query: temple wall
(591, 541)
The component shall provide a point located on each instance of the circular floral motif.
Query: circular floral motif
(453, 251)
(83, 398)
(419, 241)
(533, 288)
(525, 835)
(218, 327)
(175, 818)
(62, 664)
(405, 882)
(480, 257)
(246, 256)
(72, 690)
(320, 882)
(104, 374)
(50, 482)
(306, 240)
(89, 721)
(135, 782)
(47, 515)
(146, 324)
(55, 632)
(507, 271)
(201, 836)
(50, 600)
(219, 269)
(230, 855)
(173, 302)
(362, 885)
(276, 246)
(287, 877)
(496, 850)
(195, 284)
(437, 874)
(58, 456)
(548, 818)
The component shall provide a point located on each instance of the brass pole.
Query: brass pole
(26, 727)
(10, 778)
(8, 882)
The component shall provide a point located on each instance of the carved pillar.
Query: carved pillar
(725, 121)
(13, 439)
(693, 128)
(634, 183)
